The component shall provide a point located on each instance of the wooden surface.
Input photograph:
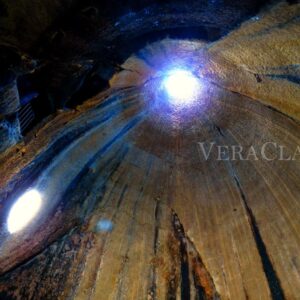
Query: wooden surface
(181, 227)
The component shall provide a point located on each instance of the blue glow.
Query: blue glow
(181, 86)
(104, 225)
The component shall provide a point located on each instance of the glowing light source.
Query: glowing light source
(24, 210)
(104, 225)
(182, 86)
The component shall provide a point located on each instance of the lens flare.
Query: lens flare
(182, 86)
(24, 210)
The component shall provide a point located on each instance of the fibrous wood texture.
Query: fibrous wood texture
(179, 226)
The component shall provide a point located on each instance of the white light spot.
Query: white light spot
(182, 86)
(24, 210)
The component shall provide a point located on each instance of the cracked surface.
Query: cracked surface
(183, 227)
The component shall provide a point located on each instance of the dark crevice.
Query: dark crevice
(152, 294)
(272, 278)
(219, 130)
(192, 263)
(259, 100)
(281, 113)
(184, 263)
(122, 194)
(258, 78)
(157, 222)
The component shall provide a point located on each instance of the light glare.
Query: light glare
(181, 86)
(104, 225)
(24, 210)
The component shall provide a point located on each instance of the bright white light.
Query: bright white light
(182, 86)
(24, 210)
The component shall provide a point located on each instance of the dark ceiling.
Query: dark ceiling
(63, 52)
